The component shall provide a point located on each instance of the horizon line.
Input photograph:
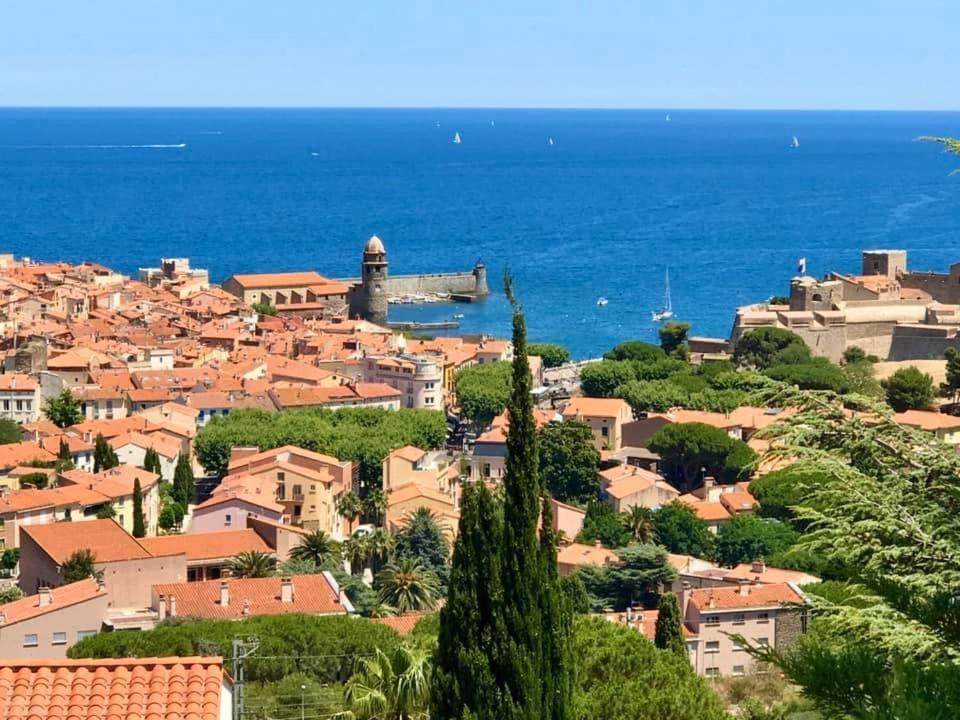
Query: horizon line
(480, 107)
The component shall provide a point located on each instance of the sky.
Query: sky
(737, 54)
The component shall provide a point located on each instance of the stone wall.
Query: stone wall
(911, 342)
(457, 282)
(940, 286)
(790, 625)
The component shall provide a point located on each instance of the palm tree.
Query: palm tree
(79, 566)
(350, 506)
(375, 506)
(252, 564)
(356, 550)
(390, 687)
(318, 547)
(408, 586)
(382, 544)
(639, 522)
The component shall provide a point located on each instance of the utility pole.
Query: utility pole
(242, 649)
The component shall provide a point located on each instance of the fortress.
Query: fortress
(313, 295)
(887, 310)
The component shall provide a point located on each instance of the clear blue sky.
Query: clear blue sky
(803, 54)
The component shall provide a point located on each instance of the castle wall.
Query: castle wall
(913, 342)
(457, 282)
(939, 286)
(872, 338)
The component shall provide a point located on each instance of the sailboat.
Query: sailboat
(667, 119)
(794, 143)
(456, 138)
(666, 312)
(602, 302)
(549, 141)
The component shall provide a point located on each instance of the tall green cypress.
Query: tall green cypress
(183, 485)
(139, 527)
(104, 456)
(668, 634)
(63, 453)
(151, 462)
(516, 665)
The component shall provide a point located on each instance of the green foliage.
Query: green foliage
(252, 564)
(139, 527)
(859, 378)
(394, 686)
(349, 505)
(10, 594)
(601, 379)
(634, 580)
(362, 435)
(423, 540)
(79, 566)
(688, 449)
(552, 355)
(282, 699)
(673, 339)
(104, 456)
(779, 491)
(655, 396)
(854, 354)
(635, 350)
(622, 676)
(668, 633)
(10, 558)
(569, 461)
(483, 391)
(745, 538)
(680, 531)
(9, 432)
(952, 386)
(639, 523)
(504, 644)
(37, 480)
(151, 463)
(602, 523)
(106, 512)
(908, 389)
(184, 488)
(63, 410)
(264, 308)
(779, 300)
(407, 586)
(819, 374)
(760, 348)
(324, 648)
(318, 548)
(576, 593)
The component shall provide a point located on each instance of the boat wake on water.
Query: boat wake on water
(95, 147)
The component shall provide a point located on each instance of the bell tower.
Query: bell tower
(373, 280)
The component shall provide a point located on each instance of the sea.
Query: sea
(721, 200)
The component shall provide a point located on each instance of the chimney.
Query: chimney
(341, 597)
(712, 604)
(597, 543)
(224, 593)
(162, 609)
(286, 590)
(744, 589)
(173, 605)
(246, 608)
(758, 566)
(44, 597)
(3, 618)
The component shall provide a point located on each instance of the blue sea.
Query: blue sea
(620, 197)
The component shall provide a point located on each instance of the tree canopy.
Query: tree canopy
(687, 450)
(601, 379)
(569, 461)
(553, 355)
(63, 410)
(422, 539)
(362, 435)
(636, 579)
(761, 348)
(673, 339)
(483, 391)
(908, 389)
(680, 531)
(9, 432)
(745, 538)
(634, 350)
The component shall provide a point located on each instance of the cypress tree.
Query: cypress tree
(63, 454)
(183, 485)
(669, 630)
(104, 457)
(151, 462)
(139, 527)
(504, 643)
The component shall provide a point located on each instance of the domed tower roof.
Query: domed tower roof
(374, 245)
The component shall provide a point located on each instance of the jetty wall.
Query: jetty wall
(428, 283)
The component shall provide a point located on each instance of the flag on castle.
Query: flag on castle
(802, 265)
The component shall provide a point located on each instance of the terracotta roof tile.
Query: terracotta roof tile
(146, 688)
(105, 538)
(745, 596)
(597, 407)
(207, 546)
(403, 624)
(61, 597)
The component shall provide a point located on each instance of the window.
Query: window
(30, 640)
(6, 404)
(739, 619)
(29, 405)
(84, 634)
(19, 405)
(428, 401)
(429, 386)
(763, 618)
(712, 672)
(297, 491)
(59, 638)
(281, 476)
(605, 431)
(713, 646)
(712, 619)
(486, 470)
(738, 669)
(227, 520)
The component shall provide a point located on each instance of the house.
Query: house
(20, 398)
(714, 513)
(605, 416)
(102, 403)
(47, 624)
(151, 688)
(418, 377)
(945, 427)
(81, 451)
(229, 508)
(402, 500)
(117, 485)
(131, 449)
(432, 470)
(23, 453)
(238, 598)
(567, 520)
(758, 572)
(772, 615)
(305, 483)
(208, 554)
(282, 539)
(302, 292)
(489, 458)
(574, 555)
(128, 568)
(361, 394)
(31, 506)
(627, 486)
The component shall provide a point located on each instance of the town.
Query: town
(177, 451)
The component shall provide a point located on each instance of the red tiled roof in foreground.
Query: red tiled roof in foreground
(403, 624)
(148, 688)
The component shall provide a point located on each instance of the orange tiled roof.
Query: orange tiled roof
(208, 545)
(29, 607)
(150, 688)
(16, 381)
(403, 624)
(745, 596)
(279, 280)
(104, 538)
(580, 554)
(704, 509)
(926, 420)
(23, 453)
(597, 407)
(312, 594)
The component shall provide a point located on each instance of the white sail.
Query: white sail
(456, 138)
(549, 141)
(666, 312)
(795, 143)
